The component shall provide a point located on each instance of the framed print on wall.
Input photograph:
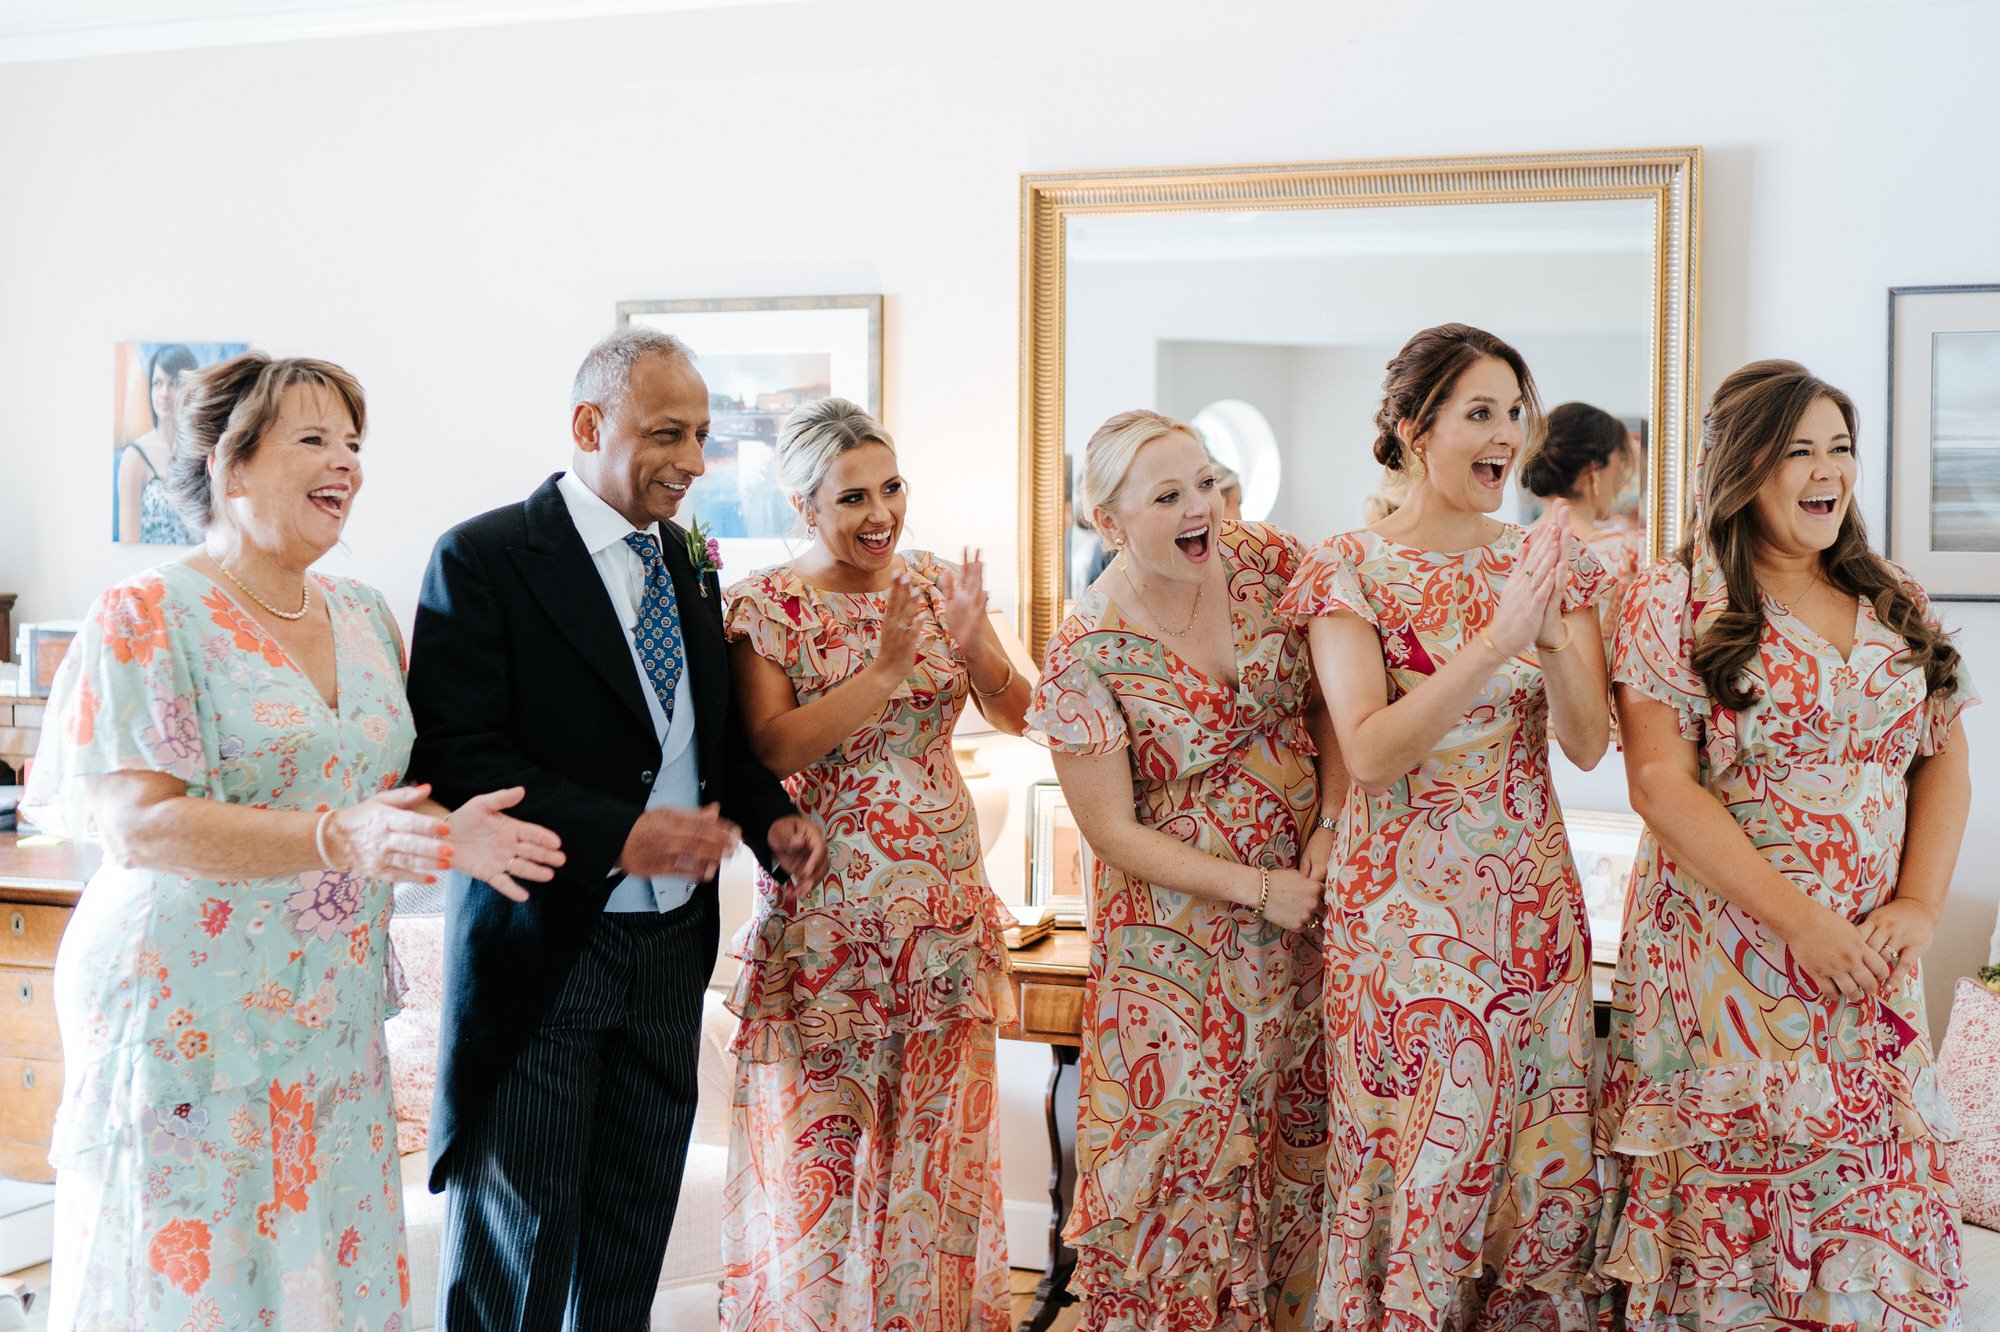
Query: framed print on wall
(1944, 439)
(1060, 865)
(762, 356)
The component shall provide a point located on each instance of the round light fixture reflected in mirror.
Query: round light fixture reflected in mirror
(1237, 436)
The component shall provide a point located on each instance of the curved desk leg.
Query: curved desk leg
(1052, 1292)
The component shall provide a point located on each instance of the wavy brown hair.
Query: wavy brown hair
(1751, 421)
(1423, 374)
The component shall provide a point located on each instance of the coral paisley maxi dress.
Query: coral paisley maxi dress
(864, 1169)
(225, 1150)
(1781, 1149)
(1462, 1189)
(1202, 1100)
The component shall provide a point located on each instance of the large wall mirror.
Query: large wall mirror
(1261, 303)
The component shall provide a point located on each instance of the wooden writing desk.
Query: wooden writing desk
(1048, 995)
(38, 889)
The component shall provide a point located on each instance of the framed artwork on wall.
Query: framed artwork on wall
(1944, 439)
(145, 402)
(1604, 844)
(761, 357)
(1060, 865)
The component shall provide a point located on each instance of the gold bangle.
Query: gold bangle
(1487, 639)
(1263, 890)
(989, 693)
(1568, 634)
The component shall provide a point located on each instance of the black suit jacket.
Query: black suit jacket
(520, 675)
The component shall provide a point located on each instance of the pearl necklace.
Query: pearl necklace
(305, 596)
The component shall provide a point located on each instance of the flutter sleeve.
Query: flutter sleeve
(1327, 581)
(762, 612)
(124, 700)
(1073, 711)
(1941, 707)
(1653, 651)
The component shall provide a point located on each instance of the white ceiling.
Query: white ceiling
(62, 29)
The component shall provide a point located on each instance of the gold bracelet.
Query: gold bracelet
(1485, 638)
(990, 693)
(1263, 890)
(1568, 634)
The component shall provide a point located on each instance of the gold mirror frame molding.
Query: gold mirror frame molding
(1669, 177)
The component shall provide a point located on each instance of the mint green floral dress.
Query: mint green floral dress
(225, 1150)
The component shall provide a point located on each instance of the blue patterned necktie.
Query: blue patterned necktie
(658, 633)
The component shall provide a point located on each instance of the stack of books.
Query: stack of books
(1032, 929)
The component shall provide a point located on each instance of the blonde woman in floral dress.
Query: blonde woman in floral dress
(233, 725)
(1462, 1191)
(1180, 709)
(864, 1169)
(1790, 717)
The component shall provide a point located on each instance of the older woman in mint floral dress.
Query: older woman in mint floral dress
(234, 726)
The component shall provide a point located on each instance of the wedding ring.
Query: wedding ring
(509, 869)
(1892, 955)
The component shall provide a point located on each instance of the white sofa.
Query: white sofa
(689, 1289)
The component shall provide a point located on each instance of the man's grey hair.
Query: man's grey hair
(606, 371)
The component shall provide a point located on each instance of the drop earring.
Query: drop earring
(1416, 467)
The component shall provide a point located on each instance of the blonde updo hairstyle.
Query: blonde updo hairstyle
(225, 409)
(1107, 457)
(812, 437)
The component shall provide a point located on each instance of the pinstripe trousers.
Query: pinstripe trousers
(562, 1194)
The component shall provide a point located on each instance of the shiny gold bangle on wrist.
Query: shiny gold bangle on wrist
(1487, 639)
(1568, 634)
(1263, 890)
(990, 693)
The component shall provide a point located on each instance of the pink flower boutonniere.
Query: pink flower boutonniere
(704, 552)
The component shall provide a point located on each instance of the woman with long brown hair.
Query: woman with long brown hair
(1789, 707)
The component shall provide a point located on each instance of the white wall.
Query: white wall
(452, 215)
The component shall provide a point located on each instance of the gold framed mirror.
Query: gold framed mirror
(1205, 291)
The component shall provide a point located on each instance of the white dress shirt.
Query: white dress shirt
(677, 784)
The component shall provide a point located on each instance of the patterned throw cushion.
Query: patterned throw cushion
(418, 941)
(1969, 1071)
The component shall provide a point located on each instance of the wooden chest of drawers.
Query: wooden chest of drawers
(38, 889)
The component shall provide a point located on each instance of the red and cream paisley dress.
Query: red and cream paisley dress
(1780, 1150)
(1462, 1187)
(1202, 1099)
(864, 1168)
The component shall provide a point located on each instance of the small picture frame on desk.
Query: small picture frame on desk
(42, 650)
(1061, 868)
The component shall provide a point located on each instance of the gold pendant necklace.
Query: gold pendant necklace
(305, 596)
(1199, 588)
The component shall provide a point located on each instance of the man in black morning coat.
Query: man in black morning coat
(572, 645)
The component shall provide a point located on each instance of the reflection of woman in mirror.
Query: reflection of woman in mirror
(1462, 1189)
(1180, 709)
(1586, 457)
(864, 1159)
(1789, 708)
(145, 513)
(1230, 487)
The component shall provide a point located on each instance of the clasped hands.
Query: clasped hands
(693, 843)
